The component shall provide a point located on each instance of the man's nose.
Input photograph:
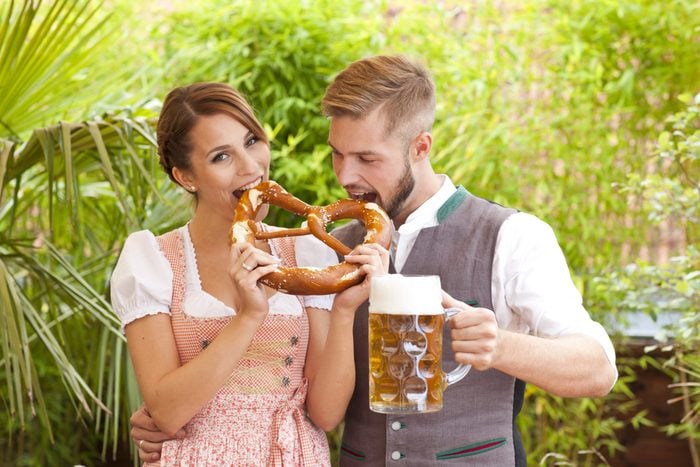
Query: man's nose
(345, 172)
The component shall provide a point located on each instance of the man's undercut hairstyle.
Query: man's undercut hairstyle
(181, 110)
(402, 87)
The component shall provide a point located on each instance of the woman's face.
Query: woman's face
(226, 159)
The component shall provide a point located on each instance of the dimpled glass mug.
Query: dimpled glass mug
(406, 321)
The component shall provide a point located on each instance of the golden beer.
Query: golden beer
(404, 362)
(406, 321)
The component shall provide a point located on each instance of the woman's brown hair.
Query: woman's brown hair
(182, 108)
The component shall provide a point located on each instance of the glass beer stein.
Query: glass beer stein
(406, 321)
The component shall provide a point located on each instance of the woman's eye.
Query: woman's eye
(220, 157)
(251, 141)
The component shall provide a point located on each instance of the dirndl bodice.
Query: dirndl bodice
(258, 418)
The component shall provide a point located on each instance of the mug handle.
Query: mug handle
(461, 371)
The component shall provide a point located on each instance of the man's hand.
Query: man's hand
(147, 436)
(373, 260)
(474, 334)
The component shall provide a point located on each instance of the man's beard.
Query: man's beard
(403, 190)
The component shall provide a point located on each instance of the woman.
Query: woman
(236, 364)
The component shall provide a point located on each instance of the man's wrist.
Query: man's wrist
(345, 314)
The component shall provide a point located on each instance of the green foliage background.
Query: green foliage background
(581, 112)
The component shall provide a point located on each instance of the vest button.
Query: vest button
(396, 455)
(396, 426)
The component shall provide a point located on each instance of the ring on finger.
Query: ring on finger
(141, 444)
(248, 267)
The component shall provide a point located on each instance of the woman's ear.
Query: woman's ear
(185, 179)
(423, 145)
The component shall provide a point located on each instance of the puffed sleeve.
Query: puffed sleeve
(310, 251)
(141, 283)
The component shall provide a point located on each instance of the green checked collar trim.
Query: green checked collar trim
(452, 203)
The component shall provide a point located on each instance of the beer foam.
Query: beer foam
(404, 294)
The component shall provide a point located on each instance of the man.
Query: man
(522, 319)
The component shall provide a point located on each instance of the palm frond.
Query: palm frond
(71, 192)
(45, 53)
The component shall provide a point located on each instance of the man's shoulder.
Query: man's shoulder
(490, 204)
(476, 207)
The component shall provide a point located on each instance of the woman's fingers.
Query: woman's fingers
(246, 258)
(259, 271)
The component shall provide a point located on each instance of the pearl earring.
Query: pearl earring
(192, 188)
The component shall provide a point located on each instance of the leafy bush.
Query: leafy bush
(671, 193)
(281, 56)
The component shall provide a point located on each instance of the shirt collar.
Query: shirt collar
(426, 214)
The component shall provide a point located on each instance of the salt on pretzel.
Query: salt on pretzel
(308, 280)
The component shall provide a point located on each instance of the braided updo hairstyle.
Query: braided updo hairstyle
(182, 108)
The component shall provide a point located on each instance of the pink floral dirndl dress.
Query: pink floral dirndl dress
(259, 417)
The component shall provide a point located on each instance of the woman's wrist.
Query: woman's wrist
(251, 320)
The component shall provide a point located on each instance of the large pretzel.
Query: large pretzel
(307, 280)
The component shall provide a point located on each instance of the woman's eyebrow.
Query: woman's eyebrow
(219, 148)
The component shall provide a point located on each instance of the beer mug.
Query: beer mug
(406, 320)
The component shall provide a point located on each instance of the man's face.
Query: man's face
(370, 165)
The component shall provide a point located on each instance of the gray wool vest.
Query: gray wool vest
(477, 423)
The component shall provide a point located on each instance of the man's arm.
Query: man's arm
(568, 366)
(330, 363)
(148, 438)
(546, 337)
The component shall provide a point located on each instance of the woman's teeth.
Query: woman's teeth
(239, 192)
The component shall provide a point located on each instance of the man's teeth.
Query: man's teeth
(360, 196)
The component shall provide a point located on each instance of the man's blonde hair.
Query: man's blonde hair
(402, 87)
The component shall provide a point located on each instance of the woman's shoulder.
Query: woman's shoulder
(140, 239)
(141, 282)
(145, 241)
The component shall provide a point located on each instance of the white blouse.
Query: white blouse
(141, 283)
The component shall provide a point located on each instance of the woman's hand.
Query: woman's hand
(374, 261)
(248, 265)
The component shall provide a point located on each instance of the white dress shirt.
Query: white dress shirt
(531, 286)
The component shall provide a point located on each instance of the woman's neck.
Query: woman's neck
(209, 231)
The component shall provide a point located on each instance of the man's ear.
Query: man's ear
(423, 145)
